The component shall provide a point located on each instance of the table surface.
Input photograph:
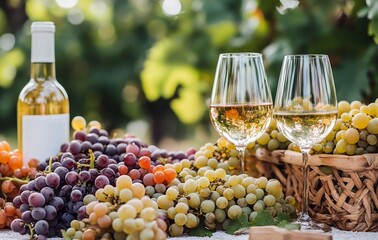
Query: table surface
(336, 235)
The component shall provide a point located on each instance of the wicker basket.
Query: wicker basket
(343, 189)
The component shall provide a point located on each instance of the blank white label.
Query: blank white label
(43, 135)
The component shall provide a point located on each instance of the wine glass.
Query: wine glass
(241, 105)
(306, 110)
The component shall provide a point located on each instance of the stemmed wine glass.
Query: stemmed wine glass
(241, 105)
(306, 110)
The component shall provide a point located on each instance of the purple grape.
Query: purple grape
(81, 213)
(80, 135)
(67, 155)
(63, 147)
(84, 176)
(42, 166)
(17, 202)
(42, 237)
(85, 146)
(52, 180)
(110, 150)
(97, 153)
(121, 148)
(51, 212)
(179, 155)
(38, 213)
(98, 147)
(72, 178)
(24, 207)
(41, 227)
(129, 159)
(92, 138)
(36, 199)
(69, 163)
(55, 165)
(40, 182)
(76, 195)
(103, 132)
(132, 148)
(57, 203)
(48, 193)
(114, 167)
(23, 187)
(25, 196)
(65, 191)
(94, 174)
(103, 140)
(61, 171)
(101, 181)
(77, 206)
(27, 217)
(31, 185)
(74, 147)
(67, 219)
(102, 161)
(95, 131)
(17, 225)
(108, 173)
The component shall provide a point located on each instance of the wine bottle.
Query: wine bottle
(43, 106)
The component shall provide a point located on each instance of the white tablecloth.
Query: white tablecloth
(336, 235)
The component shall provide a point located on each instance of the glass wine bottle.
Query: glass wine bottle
(43, 106)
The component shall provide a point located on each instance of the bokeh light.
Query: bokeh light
(171, 7)
(7, 41)
(66, 3)
(75, 17)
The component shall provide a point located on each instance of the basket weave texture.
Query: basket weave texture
(343, 189)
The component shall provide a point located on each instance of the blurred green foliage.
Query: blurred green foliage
(122, 61)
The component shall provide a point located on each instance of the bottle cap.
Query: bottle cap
(43, 47)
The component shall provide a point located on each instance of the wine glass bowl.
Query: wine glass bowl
(305, 110)
(241, 105)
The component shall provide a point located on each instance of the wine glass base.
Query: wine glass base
(307, 224)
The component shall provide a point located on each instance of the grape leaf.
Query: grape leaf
(263, 218)
(288, 225)
(238, 223)
(283, 217)
(200, 231)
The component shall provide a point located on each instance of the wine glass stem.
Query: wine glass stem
(241, 151)
(305, 194)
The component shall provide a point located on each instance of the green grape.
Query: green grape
(350, 149)
(252, 216)
(239, 191)
(221, 202)
(180, 219)
(341, 146)
(220, 173)
(259, 193)
(228, 194)
(346, 117)
(171, 212)
(373, 109)
(203, 182)
(164, 202)
(274, 187)
(148, 214)
(360, 120)
(273, 144)
(233, 162)
(233, 180)
(137, 204)
(251, 198)
(210, 217)
(328, 148)
(363, 135)
(278, 207)
(220, 215)
(338, 124)
(205, 192)
(70, 232)
(174, 230)
(371, 149)
(264, 139)
(247, 181)
(78, 235)
(129, 225)
(172, 193)
(207, 206)
(246, 210)
(117, 225)
(352, 136)
(78, 123)
(194, 200)
(220, 189)
(271, 210)
(355, 105)
(373, 126)
(259, 206)
(362, 144)
(234, 153)
(330, 136)
(269, 200)
(140, 223)
(251, 188)
(125, 195)
(201, 161)
(89, 198)
(343, 106)
(242, 202)
(371, 139)
(318, 147)
(147, 234)
(190, 186)
(150, 190)
(127, 211)
(290, 200)
(214, 195)
(360, 151)
(340, 135)
(261, 182)
(274, 134)
(234, 211)
(281, 137)
(211, 175)
(191, 221)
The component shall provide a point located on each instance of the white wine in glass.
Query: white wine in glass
(241, 105)
(306, 110)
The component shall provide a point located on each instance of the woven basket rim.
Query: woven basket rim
(342, 162)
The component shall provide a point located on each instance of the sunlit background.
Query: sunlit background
(146, 66)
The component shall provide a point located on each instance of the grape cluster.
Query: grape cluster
(355, 133)
(123, 210)
(8, 212)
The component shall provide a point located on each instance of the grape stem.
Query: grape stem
(12, 179)
(91, 159)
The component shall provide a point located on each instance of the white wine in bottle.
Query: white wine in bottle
(43, 106)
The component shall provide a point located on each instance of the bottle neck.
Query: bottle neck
(42, 71)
